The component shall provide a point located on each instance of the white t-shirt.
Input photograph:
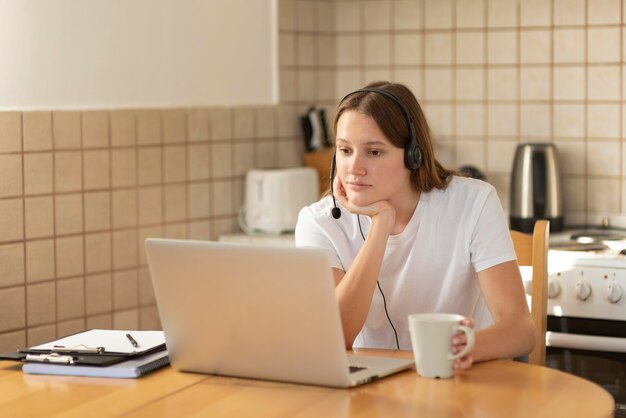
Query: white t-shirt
(430, 266)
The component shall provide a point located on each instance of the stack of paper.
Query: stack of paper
(99, 353)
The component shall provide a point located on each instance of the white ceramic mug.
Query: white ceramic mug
(431, 336)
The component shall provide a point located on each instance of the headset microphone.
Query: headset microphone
(335, 211)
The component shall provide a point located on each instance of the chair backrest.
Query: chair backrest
(532, 250)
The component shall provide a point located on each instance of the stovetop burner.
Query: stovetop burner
(589, 240)
(579, 246)
(592, 236)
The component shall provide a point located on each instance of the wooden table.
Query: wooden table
(491, 389)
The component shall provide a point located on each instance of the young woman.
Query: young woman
(408, 236)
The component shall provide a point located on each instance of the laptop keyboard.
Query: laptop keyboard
(354, 369)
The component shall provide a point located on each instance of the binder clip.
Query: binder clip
(50, 358)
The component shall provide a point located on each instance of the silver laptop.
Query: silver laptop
(256, 312)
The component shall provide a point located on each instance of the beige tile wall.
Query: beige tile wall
(80, 190)
(490, 74)
(307, 53)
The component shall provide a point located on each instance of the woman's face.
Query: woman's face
(369, 166)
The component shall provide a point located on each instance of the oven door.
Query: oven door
(592, 349)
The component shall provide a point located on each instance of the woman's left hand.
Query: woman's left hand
(458, 344)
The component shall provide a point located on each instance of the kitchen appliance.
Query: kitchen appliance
(274, 197)
(314, 129)
(536, 187)
(587, 307)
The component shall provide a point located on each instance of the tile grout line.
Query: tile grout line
(82, 193)
(137, 226)
(185, 146)
(586, 110)
(210, 182)
(422, 65)
(54, 214)
(486, 103)
(25, 261)
(518, 71)
(552, 31)
(111, 229)
(233, 136)
(620, 203)
(551, 78)
(454, 86)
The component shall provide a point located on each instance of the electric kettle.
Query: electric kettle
(536, 191)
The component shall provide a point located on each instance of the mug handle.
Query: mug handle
(469, 334)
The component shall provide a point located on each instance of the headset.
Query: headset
(412, 161)
(412, 151)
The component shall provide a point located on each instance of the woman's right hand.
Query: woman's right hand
(381, 210)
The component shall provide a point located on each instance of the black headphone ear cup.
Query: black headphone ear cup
(412, 151)
(412, 156)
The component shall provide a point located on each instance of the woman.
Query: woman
(409, 236)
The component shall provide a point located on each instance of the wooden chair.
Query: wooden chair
(532, 250)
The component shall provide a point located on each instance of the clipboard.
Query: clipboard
(129, 368)
(95, 347)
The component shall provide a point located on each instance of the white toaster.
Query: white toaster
(273, 198)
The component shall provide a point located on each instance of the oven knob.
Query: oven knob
(554, 289)
(614, 293)
(583, 290)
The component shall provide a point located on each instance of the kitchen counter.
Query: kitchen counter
(283, 240)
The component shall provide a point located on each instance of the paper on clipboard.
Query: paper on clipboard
(113, 341)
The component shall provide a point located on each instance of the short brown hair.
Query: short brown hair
(392, 122)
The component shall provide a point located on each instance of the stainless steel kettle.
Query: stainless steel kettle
(536, 191)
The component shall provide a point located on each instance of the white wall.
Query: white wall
(70, 54)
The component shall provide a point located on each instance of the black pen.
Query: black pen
(132, 340)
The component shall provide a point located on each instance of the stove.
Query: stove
(587, 274)
(587, 307)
